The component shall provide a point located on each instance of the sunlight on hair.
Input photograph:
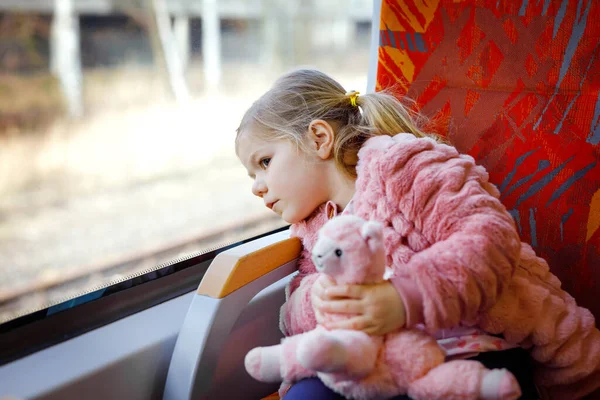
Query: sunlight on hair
(303, 95)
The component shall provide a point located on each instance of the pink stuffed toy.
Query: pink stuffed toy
(350, 250)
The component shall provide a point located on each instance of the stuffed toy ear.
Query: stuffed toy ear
(331, 209)
(372, 232)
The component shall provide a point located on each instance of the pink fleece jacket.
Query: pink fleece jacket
(458, 261)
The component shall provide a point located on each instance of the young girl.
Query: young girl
(458, 269)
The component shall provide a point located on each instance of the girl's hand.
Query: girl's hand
(318, 296)
(376, 309)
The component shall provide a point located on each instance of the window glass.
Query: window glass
(117, 123)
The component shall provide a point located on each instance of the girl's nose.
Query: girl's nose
(259, 188)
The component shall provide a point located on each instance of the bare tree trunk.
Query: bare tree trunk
(65, 57)
(211, 44)
(181, 28)
(164, 43)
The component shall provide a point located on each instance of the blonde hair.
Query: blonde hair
(301, 96)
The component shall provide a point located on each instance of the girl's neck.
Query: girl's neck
(342, 188)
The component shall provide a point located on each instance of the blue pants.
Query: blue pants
(516, 361)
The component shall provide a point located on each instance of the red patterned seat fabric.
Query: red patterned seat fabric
(515, 84)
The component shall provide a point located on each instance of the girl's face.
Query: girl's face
(291, 183)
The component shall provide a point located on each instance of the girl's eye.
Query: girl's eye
(264, 163)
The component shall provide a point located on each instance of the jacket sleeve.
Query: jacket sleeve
(539, 315)
(297, 315)
(467, 243)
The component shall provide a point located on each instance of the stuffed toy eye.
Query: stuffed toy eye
(338, 252)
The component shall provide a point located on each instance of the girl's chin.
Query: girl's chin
(293, 218)
(290, 220)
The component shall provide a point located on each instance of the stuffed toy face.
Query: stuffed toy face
(350, 250)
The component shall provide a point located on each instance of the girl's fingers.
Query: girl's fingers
(342, 306)
(344, 291)
(317, 291)
(327, 281)
(321, 285)
(372, 330)
(356, 323)
(319, 317)
(317, 303)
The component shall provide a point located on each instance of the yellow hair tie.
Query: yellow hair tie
(353, 95)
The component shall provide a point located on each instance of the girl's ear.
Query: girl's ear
(321, 135)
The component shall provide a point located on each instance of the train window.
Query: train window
(117, 122)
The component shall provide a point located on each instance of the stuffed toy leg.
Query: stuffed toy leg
(351, 363)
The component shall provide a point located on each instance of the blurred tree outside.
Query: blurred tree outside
(142, 154)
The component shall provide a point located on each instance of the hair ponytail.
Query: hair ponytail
(299, 97)
(388, 115)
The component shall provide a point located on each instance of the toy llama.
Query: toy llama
(350, 250)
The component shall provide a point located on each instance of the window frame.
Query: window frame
(58, 323)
